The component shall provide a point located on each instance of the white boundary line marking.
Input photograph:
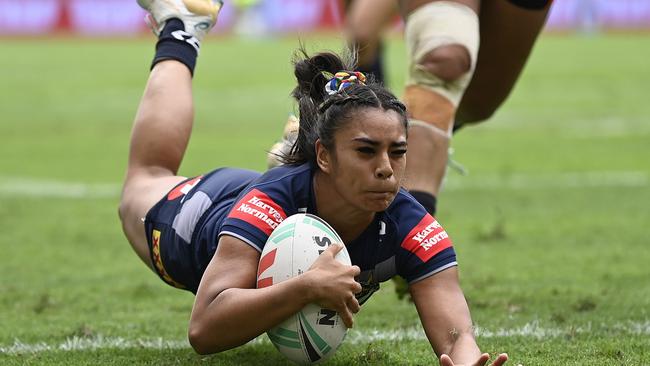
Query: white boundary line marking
(25, 187)
(15, 186)
(593, 179)
(530, 330)
(581, 128)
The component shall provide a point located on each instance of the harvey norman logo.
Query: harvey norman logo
(426, 239)
(259, 210)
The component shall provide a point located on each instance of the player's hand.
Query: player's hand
(482, 361)
(334, 285)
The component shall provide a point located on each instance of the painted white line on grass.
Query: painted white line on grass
(531, 330)
(10, 186)
(604, 127)
(518, 181)
(93, 343)
(24, 187)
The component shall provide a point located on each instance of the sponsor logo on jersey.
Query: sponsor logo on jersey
(183, 189)
(259, 210)
(157, 260)
(427, 239)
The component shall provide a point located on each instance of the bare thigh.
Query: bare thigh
(508, 34)
(139, 195)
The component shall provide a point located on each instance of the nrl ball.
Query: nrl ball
(314, 333)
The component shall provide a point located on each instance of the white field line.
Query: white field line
(10, 186)
(23, 187)
(603, 179)
(531, 330)
(605, 127)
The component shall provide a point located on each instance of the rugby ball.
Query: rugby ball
(314, 333)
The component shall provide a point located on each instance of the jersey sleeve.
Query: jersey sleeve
(425, 247)
(254, 216)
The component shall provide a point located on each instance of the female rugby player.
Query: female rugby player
(205, 234)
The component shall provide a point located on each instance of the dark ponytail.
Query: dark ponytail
(321, 114)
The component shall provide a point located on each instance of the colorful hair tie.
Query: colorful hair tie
(343, 79)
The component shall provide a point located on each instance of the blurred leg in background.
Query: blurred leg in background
(364, 24)
(505, 47)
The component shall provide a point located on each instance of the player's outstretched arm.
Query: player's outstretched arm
(229, 311)
(447, 322)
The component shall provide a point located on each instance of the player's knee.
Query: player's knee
(126, 207)
(442, 39)
(122, 210)
(448, 62)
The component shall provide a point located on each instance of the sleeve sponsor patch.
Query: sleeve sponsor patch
(427, 239)
(259, 210)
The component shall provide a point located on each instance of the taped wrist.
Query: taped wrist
(174, 43)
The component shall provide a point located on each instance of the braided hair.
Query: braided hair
(326, 102)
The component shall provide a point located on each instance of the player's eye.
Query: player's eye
(398, 153)
(366, 150)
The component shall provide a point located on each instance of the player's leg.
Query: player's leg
(160, 134)
(509, 30)
(163, 122)
(365, 20)
(442, 40)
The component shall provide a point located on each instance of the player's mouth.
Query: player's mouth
(383, 195)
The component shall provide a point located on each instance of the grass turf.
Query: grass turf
(550, 226)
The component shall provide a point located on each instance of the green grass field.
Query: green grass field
(551, 225)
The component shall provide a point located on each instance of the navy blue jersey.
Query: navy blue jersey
(404, 240)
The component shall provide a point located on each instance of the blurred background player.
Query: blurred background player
(451, 81)
(365, 21)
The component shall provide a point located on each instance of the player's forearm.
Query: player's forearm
(238, 315)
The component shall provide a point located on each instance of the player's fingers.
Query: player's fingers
(501, 360)
(355, 270)
(483, 359)
(333, 249)
(353, 305)
(356, 287)
(446, 360)
(347, 317)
